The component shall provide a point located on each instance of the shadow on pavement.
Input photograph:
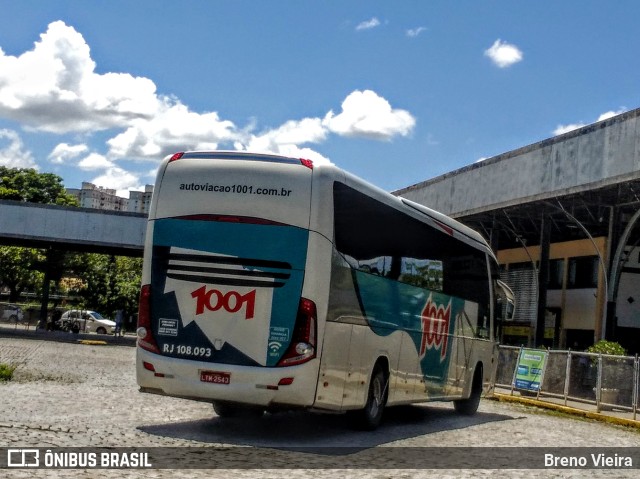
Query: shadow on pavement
(300, 429)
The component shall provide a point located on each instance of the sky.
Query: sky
(394, 92)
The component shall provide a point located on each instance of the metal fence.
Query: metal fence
(608, 382)
(18, 314)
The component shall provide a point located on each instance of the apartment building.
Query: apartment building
(92, 196)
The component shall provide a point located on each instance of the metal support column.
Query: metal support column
(543, 278)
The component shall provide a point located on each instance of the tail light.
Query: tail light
(175, 157)
(144, 331)
(303, 341)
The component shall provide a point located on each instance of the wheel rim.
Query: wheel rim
(376, 395)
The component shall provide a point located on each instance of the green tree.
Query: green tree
(93, 269)
(26, 184)
(109, 282)
(18, 270)
(127, 284)
(18, 265)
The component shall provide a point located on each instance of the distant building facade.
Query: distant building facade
(92, 196)
(139, 201)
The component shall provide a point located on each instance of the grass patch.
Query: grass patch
(6, 372)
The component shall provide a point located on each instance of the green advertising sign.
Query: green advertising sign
(530, 370)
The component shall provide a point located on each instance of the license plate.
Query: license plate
(215, 377)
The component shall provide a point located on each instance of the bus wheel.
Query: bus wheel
(370, 417)
(468, 407)
(226, 409)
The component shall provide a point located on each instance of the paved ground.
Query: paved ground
(67, 394)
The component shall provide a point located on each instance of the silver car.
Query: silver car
(11, 312)
(85, 321)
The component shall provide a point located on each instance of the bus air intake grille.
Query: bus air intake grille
(228, 271)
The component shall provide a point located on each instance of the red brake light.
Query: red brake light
(144, 331)
(307, 163)
(303, 340)
(175, 157)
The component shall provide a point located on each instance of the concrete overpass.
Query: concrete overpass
(71, 229)
(63, 228)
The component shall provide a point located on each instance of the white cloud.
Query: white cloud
(561, 129)
(95, 161)
(308, 130)
(54, 87)
(368, 24)
(286, 140)
(173, 128)
(366, 114)
(12, 151)
(118, 179)
(293, 151)
(611, 113)
(503, 54)
(64, 152)
(414, 32)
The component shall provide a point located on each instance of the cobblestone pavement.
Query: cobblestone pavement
(76, 395)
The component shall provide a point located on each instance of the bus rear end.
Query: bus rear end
(222, 316)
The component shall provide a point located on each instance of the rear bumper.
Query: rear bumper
(257, 386)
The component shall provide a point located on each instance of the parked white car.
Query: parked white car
(85, 321)
(11, 312)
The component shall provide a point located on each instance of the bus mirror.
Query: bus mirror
(506, 307)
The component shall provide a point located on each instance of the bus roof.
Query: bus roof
(240, 155)
(444, 222)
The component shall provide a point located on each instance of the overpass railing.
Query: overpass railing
(573, 378)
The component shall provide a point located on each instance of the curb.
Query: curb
(63, 337)
(620, 421)
(92, 342)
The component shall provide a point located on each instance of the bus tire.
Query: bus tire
(226, 409)
(370, 416)
(468, 407)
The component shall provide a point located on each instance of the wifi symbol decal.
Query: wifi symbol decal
(274, 346)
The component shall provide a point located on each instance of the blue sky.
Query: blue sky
(394, 92)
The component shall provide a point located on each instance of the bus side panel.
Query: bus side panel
(316, 288)
(351, 347)
(409, 383)
(334, 365)
(414, 328)
(428, 317)
(342, 348)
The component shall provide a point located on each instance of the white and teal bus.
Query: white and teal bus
(270, 282)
